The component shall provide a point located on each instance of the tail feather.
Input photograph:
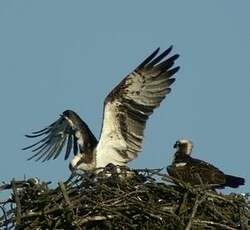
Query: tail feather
(233, 181)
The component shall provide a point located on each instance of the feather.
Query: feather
(129, 105)
(56, 134)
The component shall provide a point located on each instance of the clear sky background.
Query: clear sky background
(58, 55)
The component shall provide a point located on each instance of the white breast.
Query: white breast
(181, 164)
(111, 140)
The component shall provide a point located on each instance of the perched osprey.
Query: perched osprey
(197, 172)
(126, 110)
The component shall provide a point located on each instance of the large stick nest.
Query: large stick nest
(147, 200)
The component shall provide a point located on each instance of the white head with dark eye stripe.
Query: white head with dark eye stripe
(184, 146)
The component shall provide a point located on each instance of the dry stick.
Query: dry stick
(94, 218)
(213, 223)
(65, 195)
(18, 203)
(243, 219)
(218, 196)
(196, 205)
(5, 221)
(114, 201)
(41, 213)
(183, 203)
(217, 214)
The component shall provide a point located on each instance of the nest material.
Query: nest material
(146, 200)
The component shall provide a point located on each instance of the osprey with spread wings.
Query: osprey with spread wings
(126, 110)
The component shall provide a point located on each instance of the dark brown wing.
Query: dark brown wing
(197, 172)
(129, 105)
(69, 130)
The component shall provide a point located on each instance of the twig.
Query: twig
(18, 203)
(183, 203)
(65, 195)
(244, 221)
(5, 221)
(196, 205)
(213, 223)
(92, 218)
(218, 196)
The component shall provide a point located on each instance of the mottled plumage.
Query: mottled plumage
(198, 172)
(126, 110)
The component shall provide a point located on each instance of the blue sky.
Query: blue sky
(58, 55)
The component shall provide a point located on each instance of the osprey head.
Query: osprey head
(184, 146)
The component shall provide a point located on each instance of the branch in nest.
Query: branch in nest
(92, 218)
(206, 222)
(198, 201)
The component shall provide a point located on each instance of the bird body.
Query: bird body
(126, 110)
(198, 172)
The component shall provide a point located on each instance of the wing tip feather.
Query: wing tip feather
(172, 71)
(148, 59)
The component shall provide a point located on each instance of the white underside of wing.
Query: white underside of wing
(111, 140)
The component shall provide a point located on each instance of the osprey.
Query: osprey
(198, 172)
(126, 110)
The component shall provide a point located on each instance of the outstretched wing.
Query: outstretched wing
(69, 130)
(128, 106)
